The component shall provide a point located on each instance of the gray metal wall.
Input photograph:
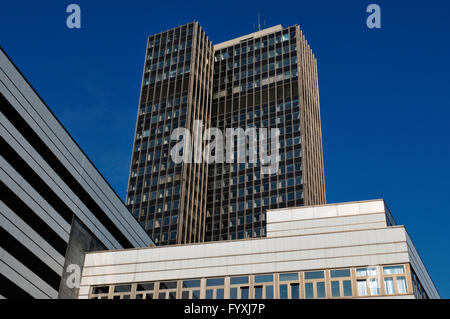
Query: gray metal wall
(46, 180)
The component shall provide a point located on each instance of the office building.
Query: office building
(267, 79)
(169, 199)
(345, 250)
(54, 203)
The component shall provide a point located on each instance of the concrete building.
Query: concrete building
(346, 250)
(267, 79)
(54, 204)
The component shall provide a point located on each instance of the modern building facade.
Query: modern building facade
(169, 199)
(346, 250)
(267, 79)
(54, 203)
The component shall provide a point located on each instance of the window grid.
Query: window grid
(291, 285)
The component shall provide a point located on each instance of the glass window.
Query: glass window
(191, 283)
(335, 289)
(314, 275)
(167, 290)
(288, 277)
(284, 291)
(269, 292)
(390, 270)
(295, 291)
(100, 290)
(372, 271)
(258, 292)
(263, 278)
(233, 293)
(244, 292)
(309, 290)
(144, 287)
(122, 288)
(401, 285)
(362, 287)
(374, 288)
(215, 282)
(341, 286)
(320, 289)
(389, 286)
(347, 288)
(238, 280)
(340, 273)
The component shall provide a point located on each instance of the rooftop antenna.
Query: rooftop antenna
(259, 21)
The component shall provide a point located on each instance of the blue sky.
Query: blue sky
(384, 93)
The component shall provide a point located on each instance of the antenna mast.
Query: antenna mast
(259, 21)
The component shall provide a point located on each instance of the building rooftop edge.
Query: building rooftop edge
(256, 238)
(260, 33)
(329, 204)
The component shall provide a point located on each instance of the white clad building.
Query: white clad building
(346, 250)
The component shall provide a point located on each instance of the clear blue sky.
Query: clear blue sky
(384, 93)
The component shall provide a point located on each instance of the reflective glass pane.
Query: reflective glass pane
(215, 282)
(347, 288)
(144, 287)
(284, 291)
(335, 290)
(100, 290)
(191, 283)
(309, 290)
(233, 293)
(168, 285)
(372, 271)
(401, 285)
(295, 291)
(340, 273)
(374, 288)
(258, 292)
(238, 280)
(244, 292)
(269, 292)
(122, 288)
(288, 277)
(320, 286)
(263, 278)
(389, 286)
(390, 270)
(362, 288)
(209, 294)
(314, 274)
(219, 294)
